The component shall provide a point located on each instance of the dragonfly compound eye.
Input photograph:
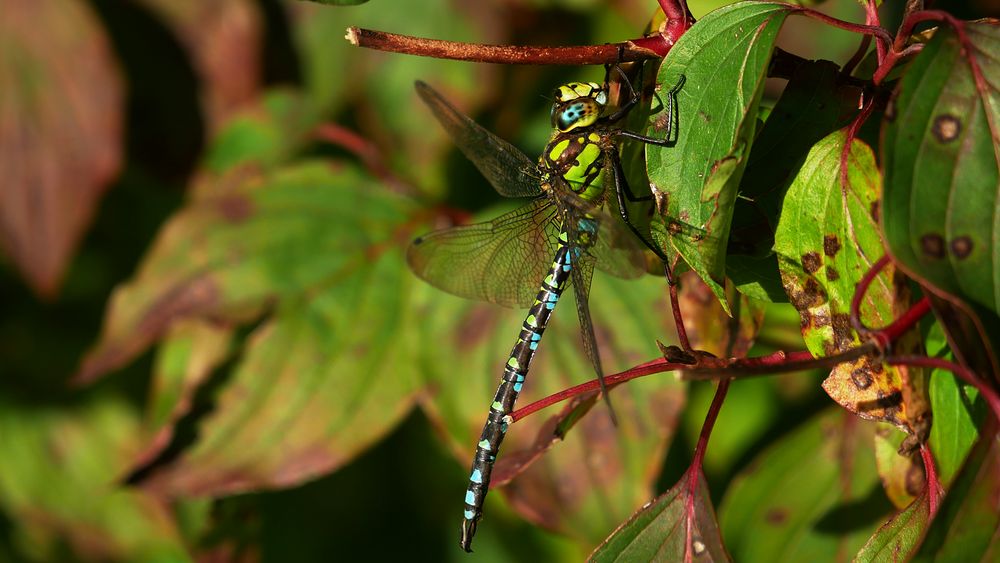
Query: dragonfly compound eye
(579, 113)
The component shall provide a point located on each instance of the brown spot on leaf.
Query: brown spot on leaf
(811, 262)
(946, 128)
(861, 378)
(831, 274)
(831, 245)
(961, 247)
(705, 117)
(874, 210)
(915, 480)
(776, 516)
(932, 244)
(843, 332)
(235, 209)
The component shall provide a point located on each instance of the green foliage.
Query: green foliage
(239, 365)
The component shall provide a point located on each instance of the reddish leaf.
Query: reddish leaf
(678, 526)
(60, 129)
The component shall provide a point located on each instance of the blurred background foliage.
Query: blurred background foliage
(173, 95)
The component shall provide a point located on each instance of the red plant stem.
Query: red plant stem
(897, 51)
(963, 373)
(933, 483)
(675, 308)
(698, 460)
(778, 362)
(908, 320)
(679, 18)
(659, 365)
(871, 18)
(862, 289)
(875, 31)
(852, 132)
(626, 51)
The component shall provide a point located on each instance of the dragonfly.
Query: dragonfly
(528, 257)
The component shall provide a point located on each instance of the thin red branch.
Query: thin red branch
(963, 373)
(675, 308)
(778, 362)
(852, 133)
(697, 461)
(933, 483)
(875, 31)
(871, 18)
(679, 18)
(634, 50)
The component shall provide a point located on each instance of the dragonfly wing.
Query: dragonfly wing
(616, 250)
(509, 170)
(501, 261)
(581, 275)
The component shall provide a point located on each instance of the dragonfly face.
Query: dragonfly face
(577, 104)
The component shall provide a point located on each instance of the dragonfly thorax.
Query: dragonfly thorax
(577, 104)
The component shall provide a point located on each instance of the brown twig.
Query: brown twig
(639, 49)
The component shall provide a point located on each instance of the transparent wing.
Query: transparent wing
(502, 261)
(509, 170)
(616, 250)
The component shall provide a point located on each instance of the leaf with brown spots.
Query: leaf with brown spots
(583, 481)
(941, 145)
(61, 109)
(224, 39)
(813, 495)
(818, 210)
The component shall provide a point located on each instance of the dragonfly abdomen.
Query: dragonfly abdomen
(514, 374)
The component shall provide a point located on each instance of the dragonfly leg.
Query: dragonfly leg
(622, 190)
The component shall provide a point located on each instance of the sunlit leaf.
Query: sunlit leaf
(723, 59)
(60, 484)
(812, 496)
(678, 526)
(816, 102)
(60, 132)
(941, 143)
(967, 525)
(826, 240)
(224, 39)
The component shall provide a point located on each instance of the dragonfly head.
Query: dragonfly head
(577, 104)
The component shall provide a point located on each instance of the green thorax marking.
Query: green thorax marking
(574, 151)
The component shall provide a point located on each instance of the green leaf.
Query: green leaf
(664, 530)
(60, 485)
(941, 144)
(328, 371)
(266, 134)
(898, 538)
(815, 103)
(827, 238)
(810, 496)
(957, 412)
(724, 60)
(967, 525)
(593, 479)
